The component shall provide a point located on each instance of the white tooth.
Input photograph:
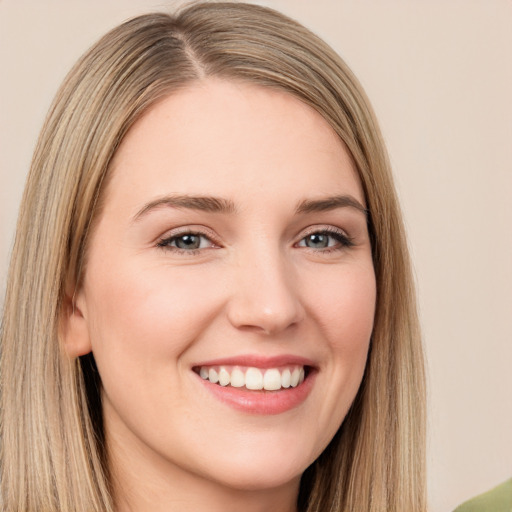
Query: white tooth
(294, 381)
(253, 379)
(224, 376)
(272, 380)
(213, 376)
(203, 372)
(286, 378)
(301, 376)
(237, 378)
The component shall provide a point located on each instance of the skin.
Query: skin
(150, 312)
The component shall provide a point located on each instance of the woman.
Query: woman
(210, 301)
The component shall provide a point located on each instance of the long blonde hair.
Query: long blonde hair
(52, 444)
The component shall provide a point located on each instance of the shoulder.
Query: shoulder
(498, 499)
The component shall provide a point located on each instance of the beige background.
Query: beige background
(440, 76)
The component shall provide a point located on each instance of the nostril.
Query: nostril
(267, 322)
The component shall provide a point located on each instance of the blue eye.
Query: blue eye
(186, 242)
(326, 239)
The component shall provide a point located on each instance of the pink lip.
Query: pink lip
(261, 402)
(257, 361)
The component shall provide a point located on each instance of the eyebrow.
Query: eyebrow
(220, 205)
(201, 203)
(330, 203)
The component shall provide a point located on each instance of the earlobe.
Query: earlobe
(74, 328)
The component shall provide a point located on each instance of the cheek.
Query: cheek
(139, 315)
(345, 307)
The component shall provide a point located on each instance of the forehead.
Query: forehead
(220, 137)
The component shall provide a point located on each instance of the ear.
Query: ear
(74, 328)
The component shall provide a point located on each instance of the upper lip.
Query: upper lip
(259, 361)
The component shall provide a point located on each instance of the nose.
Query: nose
(264, 296)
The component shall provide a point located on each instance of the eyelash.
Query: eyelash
(165, 243)
(343, 241)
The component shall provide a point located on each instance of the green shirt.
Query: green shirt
(498, 499)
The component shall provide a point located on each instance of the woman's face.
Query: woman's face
(233, 245)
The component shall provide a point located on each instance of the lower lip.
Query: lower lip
(261, 401)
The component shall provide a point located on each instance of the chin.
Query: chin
(261, 479)
(261, 471)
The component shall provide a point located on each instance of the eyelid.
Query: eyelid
(163, 242)
(324, 228)
(202, 231)
(347, 240)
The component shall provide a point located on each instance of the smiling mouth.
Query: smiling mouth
(254, 379)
